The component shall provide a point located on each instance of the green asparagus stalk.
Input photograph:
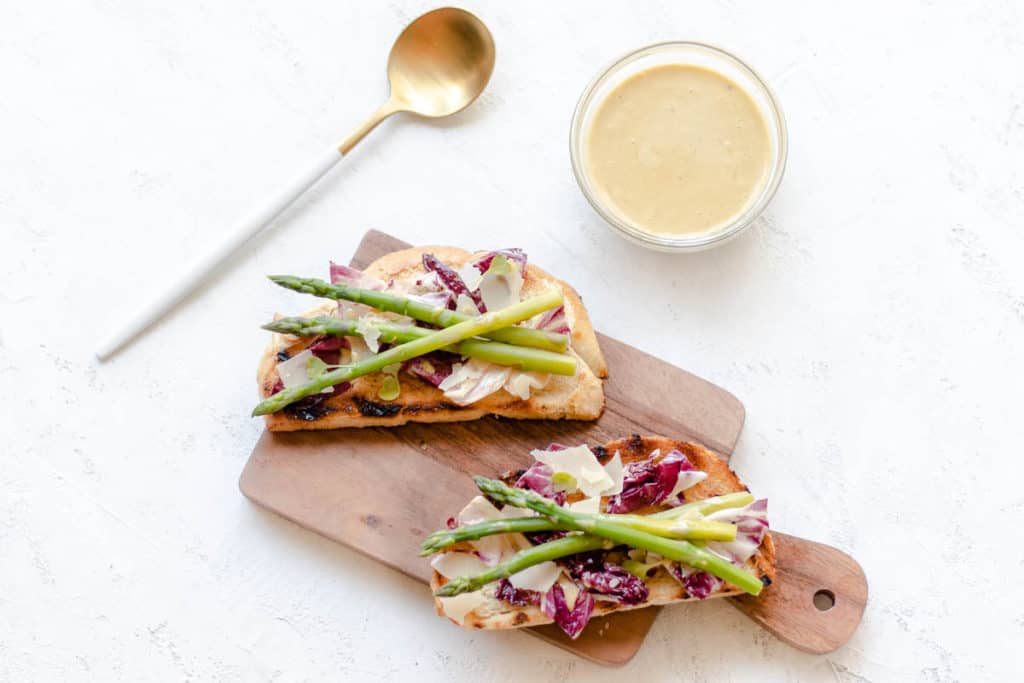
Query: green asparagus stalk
(679, 551)
(439, 540)
(700, 508)
(524, 559)
(522, 357)
(474, 327)
(394, 303)
(690, 530)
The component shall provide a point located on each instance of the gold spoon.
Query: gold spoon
(438, 66)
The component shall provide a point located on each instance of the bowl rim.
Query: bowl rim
(686, 242)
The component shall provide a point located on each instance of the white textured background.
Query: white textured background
(872, 323)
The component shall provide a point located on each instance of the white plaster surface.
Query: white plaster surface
(872, 323)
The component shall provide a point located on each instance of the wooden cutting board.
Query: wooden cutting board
(331, 482)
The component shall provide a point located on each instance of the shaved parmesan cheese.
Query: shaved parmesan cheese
(587, 505)
(582, 464)
(687, 478)
(478, 510)
(294, 372)
(616, 472)
(539, 577)
(491, 549)
(471, 275)
(456, 608)
(465, 304)
(371, 335)
(571, 591)
(360, 350)
(501, 285)
(519, 383)
(453, 565)
(472, 381)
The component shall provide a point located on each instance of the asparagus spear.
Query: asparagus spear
(679, 551)
(439, 339)
(552, 550)
(385, 301)
(707, 506)
(523, 357)
(439, 540)
(691, 530)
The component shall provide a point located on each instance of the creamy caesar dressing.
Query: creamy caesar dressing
(678, 149)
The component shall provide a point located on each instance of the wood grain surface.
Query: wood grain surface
(319, 480)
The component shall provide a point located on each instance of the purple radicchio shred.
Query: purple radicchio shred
(433, 368)
(452, 281)
(328, 349)
(649, 481)
(538, 480)
(574, 620)
(752, 526)
(616, 582)
(554, 321)
(341, 274)
(589, 561)
(606, 578)
(519, 597)
(514, 254)
(698, 584)
(541, 537)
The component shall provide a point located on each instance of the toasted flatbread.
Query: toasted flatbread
(580, 397)
(664, 589)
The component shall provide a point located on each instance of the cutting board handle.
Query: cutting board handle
(817, 599)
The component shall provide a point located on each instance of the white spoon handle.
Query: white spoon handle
(202, 268)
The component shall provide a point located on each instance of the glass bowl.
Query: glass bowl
(691, 54)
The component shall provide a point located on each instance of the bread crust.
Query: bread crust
(664, 589)
(578, 398)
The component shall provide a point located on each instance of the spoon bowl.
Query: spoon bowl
(440, 63)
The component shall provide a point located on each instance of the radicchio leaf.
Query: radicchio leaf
(519, 597)
(616, 582)
(538, 480)
(649, 481)
(452, 281)
(698, 584)
(328, 349)
(552, 321)
(433, 368)
(751, 525)
(514, 254)
(606, 578)
(341, 274)
(571, 621)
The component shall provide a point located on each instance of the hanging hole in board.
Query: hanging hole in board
(824, 600)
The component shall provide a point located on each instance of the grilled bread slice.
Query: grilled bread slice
(664, 589)
(580, 397)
